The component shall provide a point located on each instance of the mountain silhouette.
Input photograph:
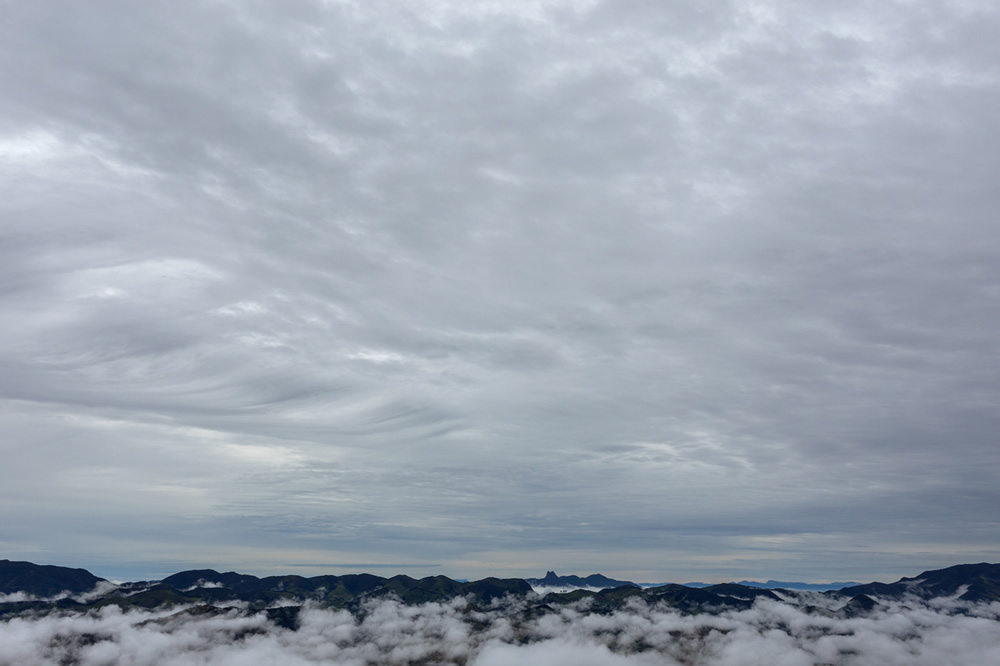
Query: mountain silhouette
(47, 588)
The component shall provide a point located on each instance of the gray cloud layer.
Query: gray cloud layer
(666, 291)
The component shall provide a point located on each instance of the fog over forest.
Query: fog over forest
(388, 632)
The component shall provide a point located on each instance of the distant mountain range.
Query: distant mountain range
(601, 581)
(29, 589)
(788, 585)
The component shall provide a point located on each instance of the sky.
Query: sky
(669, 291)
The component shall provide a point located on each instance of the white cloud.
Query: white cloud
(387, 632)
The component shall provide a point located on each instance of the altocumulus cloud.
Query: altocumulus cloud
(690, 290)
(387, 632)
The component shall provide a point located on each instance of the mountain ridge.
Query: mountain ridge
(40, 589)
(593, 580)
(792, 585)
(44, 579)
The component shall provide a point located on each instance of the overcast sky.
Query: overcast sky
(667, 290)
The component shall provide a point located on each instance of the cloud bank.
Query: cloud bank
(387, 632)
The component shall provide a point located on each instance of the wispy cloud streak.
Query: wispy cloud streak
(501, 287)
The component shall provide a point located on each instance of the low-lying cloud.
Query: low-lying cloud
(102, 588)
(515, 632)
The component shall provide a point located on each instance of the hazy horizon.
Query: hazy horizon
(119, 573)
(665, 291)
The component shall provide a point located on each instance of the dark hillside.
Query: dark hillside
(44, 580)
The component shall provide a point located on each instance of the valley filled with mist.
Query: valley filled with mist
(948, 616)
